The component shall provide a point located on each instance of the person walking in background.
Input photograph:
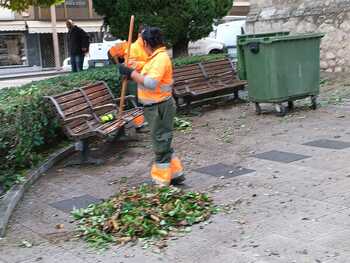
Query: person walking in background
(79, 43)
(155, 94)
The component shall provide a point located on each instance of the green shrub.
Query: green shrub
(28, 125)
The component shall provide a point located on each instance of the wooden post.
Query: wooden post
(55, 37)
(91, 11)
(125, 80)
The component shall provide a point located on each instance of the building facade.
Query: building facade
(331, 17)
(26, 38)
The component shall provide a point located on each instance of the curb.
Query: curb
(10, 200)
(33, 75)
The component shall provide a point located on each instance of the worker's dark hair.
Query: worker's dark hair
(141, 28)
(110, 58)
(153, 36)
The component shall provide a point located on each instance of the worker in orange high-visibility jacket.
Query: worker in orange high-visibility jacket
(155, 93)
(137, 60)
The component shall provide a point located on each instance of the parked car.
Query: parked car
(222, 38)
(205, 46)
(227, 33)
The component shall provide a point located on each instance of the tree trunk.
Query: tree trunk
(180, 49)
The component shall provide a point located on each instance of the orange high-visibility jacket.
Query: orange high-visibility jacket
(138, 55)
(118, 50)
(158, 73)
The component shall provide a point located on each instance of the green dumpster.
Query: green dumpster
(242, 73)
(282, 69)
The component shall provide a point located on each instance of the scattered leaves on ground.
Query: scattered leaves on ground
(182, 124)
(146, 213)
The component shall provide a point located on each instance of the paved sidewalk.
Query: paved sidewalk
(296, 209)
(19, 79)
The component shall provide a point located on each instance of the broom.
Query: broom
(125, 80)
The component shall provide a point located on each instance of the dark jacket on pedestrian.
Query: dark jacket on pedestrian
(78, 39)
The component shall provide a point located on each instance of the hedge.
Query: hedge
(28, 125)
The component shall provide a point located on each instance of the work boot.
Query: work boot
(177, 171)
(161, 174)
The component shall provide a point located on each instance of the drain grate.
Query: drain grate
(329, 144)
(282, 157)
(220, 170)
(75, 203)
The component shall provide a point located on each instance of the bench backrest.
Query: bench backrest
(219, 68)
(188, 72)
(71, 104)
(98, 94)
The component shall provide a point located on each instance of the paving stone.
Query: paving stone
(11, 250)
(60, 257)
(332, 192)
(340, 218)
(283, 157)
(336, 240)
(75, 203)
(223, 170)
(304, 230)
(327, 162)
(277, 248)
(329, 144)
(55, 187)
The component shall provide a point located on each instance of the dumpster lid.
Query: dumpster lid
(272, 39)
(266, 34)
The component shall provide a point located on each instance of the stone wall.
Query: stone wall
(331, 17)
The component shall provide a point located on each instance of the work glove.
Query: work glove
(125, 71)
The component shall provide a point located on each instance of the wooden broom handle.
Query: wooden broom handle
(125, 80)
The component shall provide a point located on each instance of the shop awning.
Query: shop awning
(12, 26)
(43, 27)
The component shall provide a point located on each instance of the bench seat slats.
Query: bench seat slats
(82, 101)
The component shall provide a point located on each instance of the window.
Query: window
(75, 3)
(12, 50)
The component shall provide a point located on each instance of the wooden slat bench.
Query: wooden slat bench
(80, 110)
(206, 80)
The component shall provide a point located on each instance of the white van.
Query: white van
(227, 33)
(223, 37)
(205, 46)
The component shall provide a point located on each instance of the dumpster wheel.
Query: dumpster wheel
(290, 105)
(314, 102)
(281, 110)
(258, 110)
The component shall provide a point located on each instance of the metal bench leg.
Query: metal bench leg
(188, 105)
(236, 96)
(84, 156)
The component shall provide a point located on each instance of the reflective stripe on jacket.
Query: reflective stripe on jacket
(158, 73)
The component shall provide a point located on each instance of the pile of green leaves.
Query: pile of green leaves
(147, 212)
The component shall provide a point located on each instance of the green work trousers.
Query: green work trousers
(132, 90)
(160, 118)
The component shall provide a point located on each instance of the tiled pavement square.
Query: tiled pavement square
(282, 157)
(75, 203)
(329, 144)
(219, 170)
